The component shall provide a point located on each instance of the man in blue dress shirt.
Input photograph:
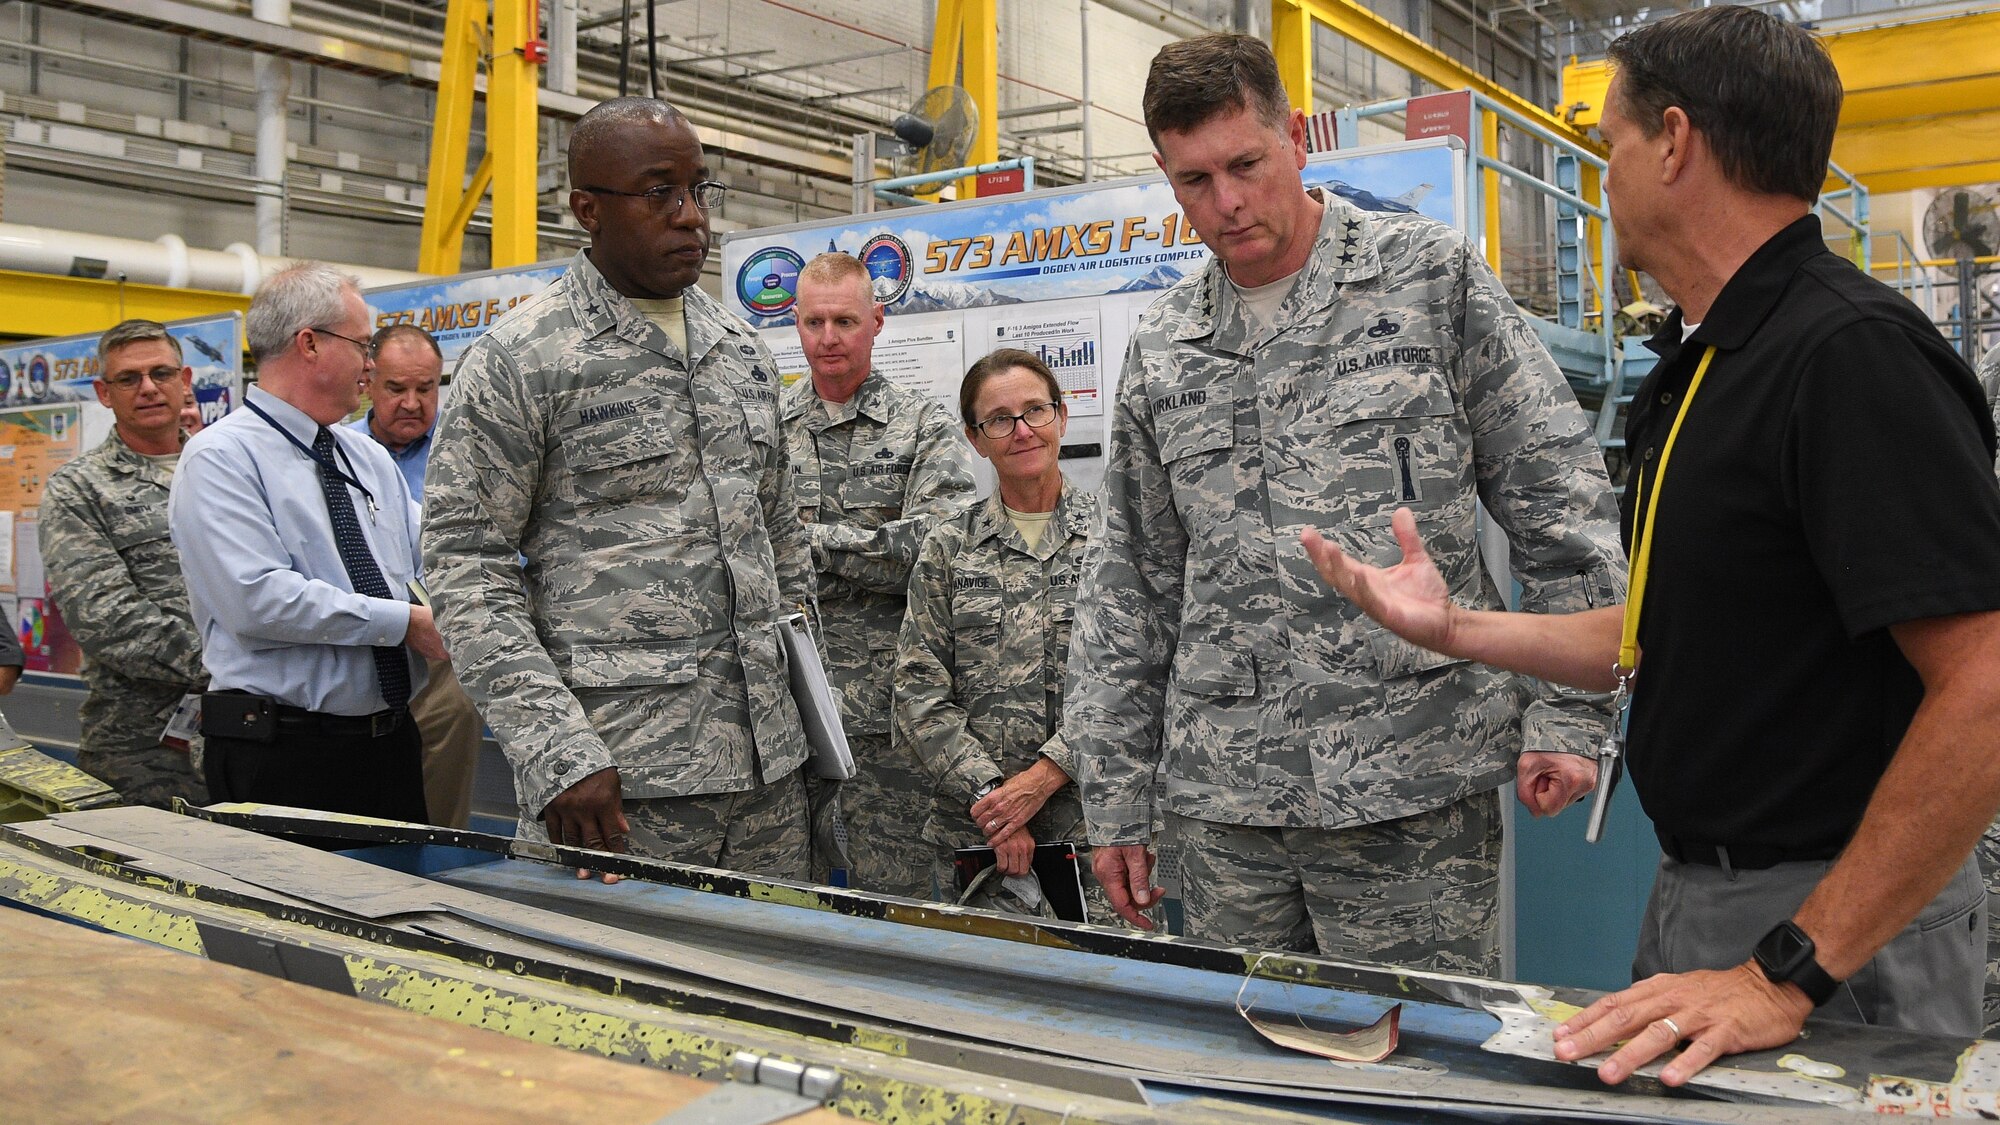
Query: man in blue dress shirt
(402, 413)
(299, 541)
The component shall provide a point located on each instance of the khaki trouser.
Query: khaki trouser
(451, 731)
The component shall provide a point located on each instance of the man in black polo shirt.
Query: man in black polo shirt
(1815, 534)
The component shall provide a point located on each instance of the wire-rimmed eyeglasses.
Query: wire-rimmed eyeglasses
(669, 197)
(125, 381)
(367, 349)
(1001, 425)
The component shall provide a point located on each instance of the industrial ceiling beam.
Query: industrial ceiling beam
(512, 139)
(1892, 60)
(965, 51)
(1292, 22)
(39, 304)
(242, 31)
(182, 18)
(443, 240)
(513, 136)
(1940, 150)
(1922, 107)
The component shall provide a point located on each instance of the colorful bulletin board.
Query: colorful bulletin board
(50, 416)
(1064, 272)
(459, 309)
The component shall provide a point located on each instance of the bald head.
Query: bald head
(597, 133)
(627, 157)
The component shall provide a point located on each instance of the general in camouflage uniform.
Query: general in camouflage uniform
(1988, 848)
(634, 663)
(116, 577)
(1330, 784)
(875, 465)
(979, 670)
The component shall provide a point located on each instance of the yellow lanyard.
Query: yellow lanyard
(1645, 508)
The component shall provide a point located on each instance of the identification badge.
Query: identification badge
(183, 724)
(1610, 760)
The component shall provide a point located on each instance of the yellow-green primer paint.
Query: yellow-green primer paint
(59, 895)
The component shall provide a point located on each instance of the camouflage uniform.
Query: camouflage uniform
(1988, 849)
(116, 579)
(872, 475)
(654, 507)
(979, 671)
(1398, 374)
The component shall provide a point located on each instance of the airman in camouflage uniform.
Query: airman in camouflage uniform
(632, 671)
(874, 465)
(1313, 763)
(116, 577)
(979, 670)
(1988, 849)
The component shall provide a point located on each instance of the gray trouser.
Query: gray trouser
(1928, 978)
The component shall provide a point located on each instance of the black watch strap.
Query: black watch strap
(1787, 956)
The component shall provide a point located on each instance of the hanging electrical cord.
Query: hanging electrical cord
(625, 45)
(652, 49)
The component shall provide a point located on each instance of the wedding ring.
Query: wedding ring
(1673, 1027)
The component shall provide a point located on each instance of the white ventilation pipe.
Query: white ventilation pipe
(273, 76)
(168, 260)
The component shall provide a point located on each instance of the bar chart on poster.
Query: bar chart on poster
(1067, 343)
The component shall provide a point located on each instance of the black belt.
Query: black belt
(379, 724)
(1744, 857)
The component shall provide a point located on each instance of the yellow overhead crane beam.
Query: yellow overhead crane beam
(39, 304)
(1292, 23)
(1922, 106)
(1291, 39)
(968, 33)
(508, 164)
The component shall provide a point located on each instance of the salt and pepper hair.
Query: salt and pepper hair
(134, 331)
(1763, 92)
(305, 295)
(1194, 81)
(408, 333)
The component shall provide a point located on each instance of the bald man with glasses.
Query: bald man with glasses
(621, 432)
(116, 577)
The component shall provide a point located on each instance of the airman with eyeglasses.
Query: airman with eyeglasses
(629, 413)
(668, 198)
(1037, 416)
(116, 577)
(145, 383)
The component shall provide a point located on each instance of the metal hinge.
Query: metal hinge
(764, 1090)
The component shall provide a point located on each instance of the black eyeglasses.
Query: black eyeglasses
(367, 349)
(161, 377)
(1001, 425)
(669, 197)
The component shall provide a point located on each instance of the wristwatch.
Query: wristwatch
(980, 793)
(1786, 956)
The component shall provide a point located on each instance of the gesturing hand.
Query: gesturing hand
(1410, 599)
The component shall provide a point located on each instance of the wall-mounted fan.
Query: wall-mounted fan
(939, 130)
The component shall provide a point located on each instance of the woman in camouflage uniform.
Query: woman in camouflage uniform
(979, 664)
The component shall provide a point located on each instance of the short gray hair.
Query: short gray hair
(305, 295)
(133, 332)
